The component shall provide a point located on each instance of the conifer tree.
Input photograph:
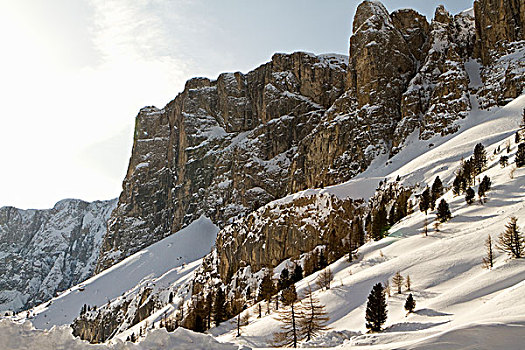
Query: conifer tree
(219, 307)
(289, 316)
(392, 215)
(488, 260)
(397, 281)
(517, 137)
(443, 211)
(379, 223)
(408, 283)
(267, 288)
(358, 233)
(483, 188)
(284, 279)
(457, 185)
(480, 158)
(297, 274)
(325, 278)
(424, 201)
(314, 317)
(504, 161)
(437, 189)
(410, 303)
(469, 195)
(520, 155)
(511, 241)
(376, 312)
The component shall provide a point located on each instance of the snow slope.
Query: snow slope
(457, 300)
(163, 262)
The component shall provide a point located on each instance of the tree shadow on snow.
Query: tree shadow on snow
(431, 313)
(412, 326)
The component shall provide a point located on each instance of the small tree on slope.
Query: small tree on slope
(314, 317)
(443, 211)
(511, 241)
(488, 260)
(289, 316)
(520, 155)
(410, 303)
(376, 312)
(479, 158)
(398, 280)
(469, 195)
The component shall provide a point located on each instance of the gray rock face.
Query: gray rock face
(224, 148)
(498, 22)
(221, 148)
(45, 251)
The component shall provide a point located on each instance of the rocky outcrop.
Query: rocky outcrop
(46, 251)
(221, 148)
(498, 22)
(282, 230)
(438, 95)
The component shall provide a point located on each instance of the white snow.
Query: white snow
(165, 261)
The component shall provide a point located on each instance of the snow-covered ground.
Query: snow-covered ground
(171, 259)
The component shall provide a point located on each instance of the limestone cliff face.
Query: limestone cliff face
(498, 22)
(225, 147)
(221, 148)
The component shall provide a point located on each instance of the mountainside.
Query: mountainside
(310, 161)
(46, 251)
(223, 148)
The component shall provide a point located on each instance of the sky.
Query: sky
(74, 74)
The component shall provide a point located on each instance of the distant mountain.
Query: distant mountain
(46, 251)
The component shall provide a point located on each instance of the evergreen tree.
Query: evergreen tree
(397, 281)
(469, 195)
(289, 316)
(323, 262)
(458, 185)
(480, 158)
(520, 155)
(484, 187)
(468, 171)
(437, 190)
(511, 241)
(410, 303)
(424, 201)
(443, 211)
(284, 279)
(297, 274)
(314, 317)
(392, 215)
(379, 223)
(504, 161)
(267, 288)
(358, 233)
(376, 312)
(408, 283)
(219, 307)
(488, 261)
(517, 137)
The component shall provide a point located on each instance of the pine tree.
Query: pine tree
(358, 233)
(437, 190)
(219, 307)
(488, 261)
(314, 317)
(443, 211)
(520, 155)
(267, 288)
(480, 158)
(410, 303)
(424, 201)
(392, 215)
(379, 223)
(297, 273)
(284, 279)
(289, 316)
(469, 196)
(517, 137)
(376, 312)
(457, 185)
(408, 283)
(483, 188)
(503, 161)
(397, 281)
(511, 241)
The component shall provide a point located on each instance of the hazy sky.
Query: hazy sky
(73, 75)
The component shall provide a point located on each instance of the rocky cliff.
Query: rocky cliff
(225, 147)
(45, 251)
